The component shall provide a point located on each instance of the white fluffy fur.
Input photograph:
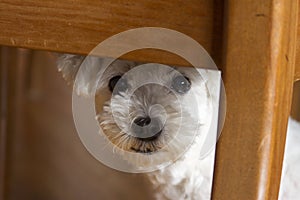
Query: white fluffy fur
(188, 177)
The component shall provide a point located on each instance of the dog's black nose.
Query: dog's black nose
(142, 121)
(146, 129)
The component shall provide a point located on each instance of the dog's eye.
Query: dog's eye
(120, 82)
(181, 84)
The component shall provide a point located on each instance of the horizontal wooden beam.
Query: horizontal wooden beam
(78, 26)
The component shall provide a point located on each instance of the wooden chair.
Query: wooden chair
(254, 42)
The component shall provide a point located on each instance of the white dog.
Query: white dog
(162, 117)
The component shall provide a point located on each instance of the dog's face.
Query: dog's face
(151, 108)
(151, 111)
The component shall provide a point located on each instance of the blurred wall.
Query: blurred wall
(45, 158)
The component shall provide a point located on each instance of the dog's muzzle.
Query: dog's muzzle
(146, 128)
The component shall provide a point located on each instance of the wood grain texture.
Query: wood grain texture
(76, 26)
(259, 54)
(297, 66)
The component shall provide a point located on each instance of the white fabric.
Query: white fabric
(290, 180)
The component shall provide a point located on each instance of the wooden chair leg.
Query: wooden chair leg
(14, 68)
(3, 112)
(258, 73)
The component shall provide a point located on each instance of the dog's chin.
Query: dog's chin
(153, 139)
(132, 144)
(153, 152)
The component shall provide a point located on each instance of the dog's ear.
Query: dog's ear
(86, 78)
(68, 65)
